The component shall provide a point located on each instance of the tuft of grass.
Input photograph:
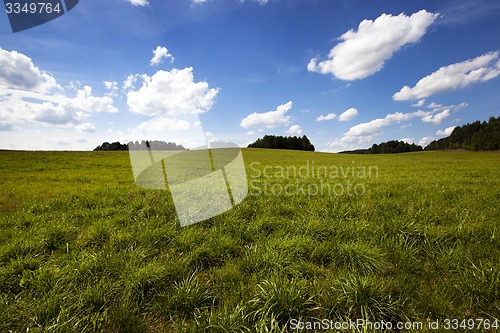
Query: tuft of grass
(280, 300)
(362, 297)
(225, 320)
(188, 296)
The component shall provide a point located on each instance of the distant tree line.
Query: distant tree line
(111, 146)
(389, 147)
(393, 147)
(283, 142)
(474, 136)
(157, 145)
(357, 151)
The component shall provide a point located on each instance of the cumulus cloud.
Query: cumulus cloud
(160, 54)
(268, 119)
(28, 94)
(295, 129)
(250, 133)
(439, 112)
(364, 52)
(170, 92)
(349, 143)
(408, 140)
(85, 101)
(365, 133)
(420, 103)
(198, 1)
(138, 2)
(452, 77)
(329, 116)
(447, 131)
(85, 128)
(129, 82)
(373, 127)
(436, 118)
(18, 106)
(348, 114)
(425, 141)
(44, 113)
(17, 71)
(184, 129)
(111, 87)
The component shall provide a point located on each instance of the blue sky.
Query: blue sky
(345, 73)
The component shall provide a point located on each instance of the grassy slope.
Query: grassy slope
(82, 248)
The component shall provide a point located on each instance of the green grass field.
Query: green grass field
(84, 249)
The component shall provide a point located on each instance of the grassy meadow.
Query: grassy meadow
(84, 249)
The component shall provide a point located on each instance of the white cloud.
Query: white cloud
(28, 94)
(85, 128)
(295, 129)
(17, 71)
(43, 113)
(129, 82)
(373, 127)
(160, 54)
(111, 87)
(250, 133)
(408, 140)
(439, 112)
(138, 2)
(184, 129)
(348, 114)
(440, 107)
(74, 85)
(419, 103)
(447, 131)
(436, 118)
(350, 143)
(19, 106)
(269, 119)
(452, 77)
(364, 52)
(86, 102)
(198, 1)
(170, 92)
(367, 129)
(329, 116)
(425, 141)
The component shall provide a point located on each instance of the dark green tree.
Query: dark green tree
(393, 147)
(282, 142)
(473, 136)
